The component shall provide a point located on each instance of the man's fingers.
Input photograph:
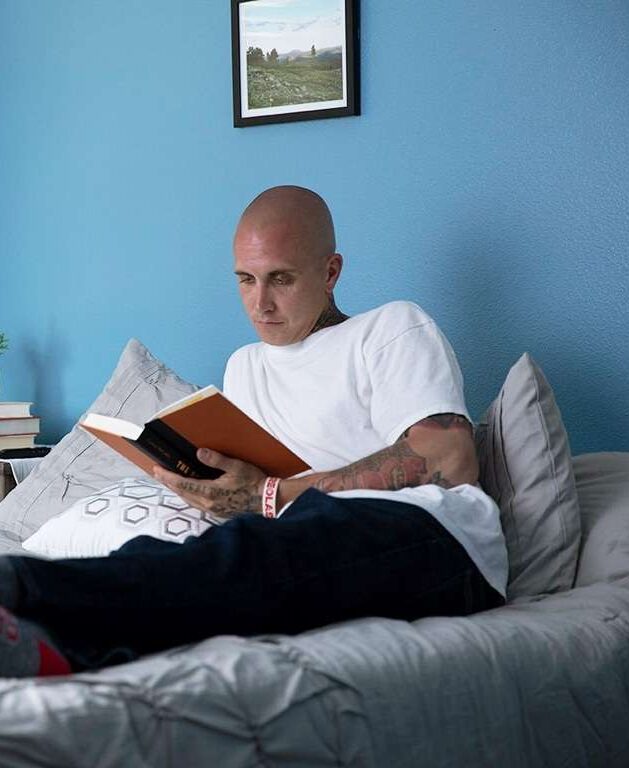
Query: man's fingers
(213, 458)
(169, 479)
(173, 480)
(190, 490)
(164, 476)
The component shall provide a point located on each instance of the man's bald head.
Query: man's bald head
(286, 264)
(293, 213)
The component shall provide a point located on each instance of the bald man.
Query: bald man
(391, 521)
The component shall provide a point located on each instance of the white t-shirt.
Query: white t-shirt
(350, 390)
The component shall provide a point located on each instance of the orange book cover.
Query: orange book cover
(204, 419)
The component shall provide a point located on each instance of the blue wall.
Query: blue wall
(487, 179)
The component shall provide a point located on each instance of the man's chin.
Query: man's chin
(276, 334)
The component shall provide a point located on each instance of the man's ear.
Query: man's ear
(334, 268)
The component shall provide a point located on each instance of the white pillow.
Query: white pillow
(104, 521)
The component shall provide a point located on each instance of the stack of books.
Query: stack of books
(18, 428)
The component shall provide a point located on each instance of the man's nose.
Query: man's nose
(264, 300)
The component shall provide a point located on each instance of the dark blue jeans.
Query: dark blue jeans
(325, 560)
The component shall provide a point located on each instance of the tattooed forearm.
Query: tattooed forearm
(390, 469)
(428, 452)
(438, 479)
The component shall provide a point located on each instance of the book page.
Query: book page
(112, 425)
(194, 397)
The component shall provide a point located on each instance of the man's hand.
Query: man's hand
(237, 491)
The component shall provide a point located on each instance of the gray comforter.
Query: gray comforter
(539, 683)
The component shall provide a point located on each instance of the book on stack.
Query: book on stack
(18, 428)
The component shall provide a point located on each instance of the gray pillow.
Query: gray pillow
(603, 488)
(80, 464)
(526, 466)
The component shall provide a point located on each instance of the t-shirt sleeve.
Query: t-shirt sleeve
(413, 375)
(235, 377)
(228, 377)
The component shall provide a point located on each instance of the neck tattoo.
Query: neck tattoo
(331, 315)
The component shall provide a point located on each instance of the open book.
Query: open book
(203, 419)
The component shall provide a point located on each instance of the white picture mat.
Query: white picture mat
(287, 108)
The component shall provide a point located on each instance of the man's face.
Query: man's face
(283, 289)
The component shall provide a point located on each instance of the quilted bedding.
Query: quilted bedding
(374, 693)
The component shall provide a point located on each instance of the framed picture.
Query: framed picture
(294, 60)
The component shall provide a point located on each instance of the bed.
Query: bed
(542, 681)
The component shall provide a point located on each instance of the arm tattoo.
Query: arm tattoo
(438, 479)
(395, 467)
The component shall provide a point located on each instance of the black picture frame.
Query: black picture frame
(299, 84)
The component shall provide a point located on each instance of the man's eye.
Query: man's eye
(282, 279)
(245, 279)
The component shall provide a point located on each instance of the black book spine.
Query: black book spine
(25, 453)
(174, 452)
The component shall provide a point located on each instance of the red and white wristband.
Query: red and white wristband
(269, 497)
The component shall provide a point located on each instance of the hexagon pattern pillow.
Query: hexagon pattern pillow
(98, 524)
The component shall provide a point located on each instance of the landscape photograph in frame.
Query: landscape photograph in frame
(294, 60)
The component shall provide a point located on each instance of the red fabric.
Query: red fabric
(51, 662)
